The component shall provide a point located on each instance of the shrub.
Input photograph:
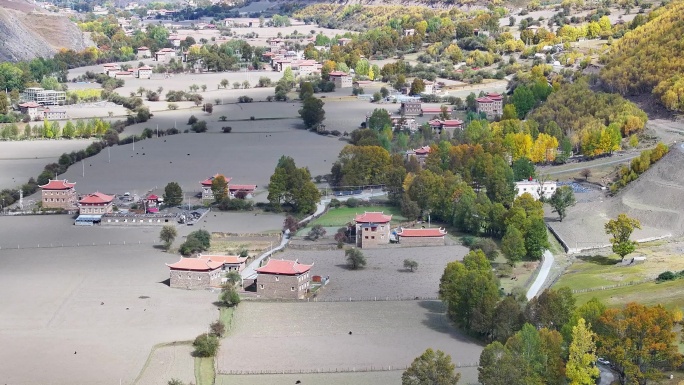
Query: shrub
(335, 203)
(245, 99)
(316, 232)
(468, 240)
(217, 328)
(236, 205)
(205, 345)
(352, 202)
(192, 120)
(200, 126)
(227, 130)
(666, 276)
(230, 296)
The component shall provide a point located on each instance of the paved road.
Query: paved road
(590, 164)
(541, 277)
(250, 271)
(607, 375)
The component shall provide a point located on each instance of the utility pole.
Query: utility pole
(83, 165)
(109, 155)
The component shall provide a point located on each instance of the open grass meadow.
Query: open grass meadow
(337, 217)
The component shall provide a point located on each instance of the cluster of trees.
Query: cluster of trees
(291, 186)
(644, 60)
(549, 340)
(638, 166)
(226, 56)
(197, 241)
(312, 111)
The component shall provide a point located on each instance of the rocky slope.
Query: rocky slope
(29, 32)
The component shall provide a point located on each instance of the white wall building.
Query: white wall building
(536, 188)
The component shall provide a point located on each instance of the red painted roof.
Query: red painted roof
(207, 182)
(433, 232)
(96, 198)
(373, 217)
(194, 264)
(484, 100)
(494, 96)
(144, 68)
(284, 267)
(452, 123)
(29, 105)
(152, 197)
(60, 184)
(232, 259)
(423, 150)
(242, 187)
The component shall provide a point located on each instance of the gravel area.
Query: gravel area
(316, 336)
(384, 275)
(90, 315)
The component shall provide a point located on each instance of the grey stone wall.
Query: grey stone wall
(422, 241)
(275, 286)
(195, 279)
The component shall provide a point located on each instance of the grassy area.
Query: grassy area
(342, 215)
(204, 370)
(669, 294)
(226, 317)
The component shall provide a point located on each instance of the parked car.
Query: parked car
(603, 361)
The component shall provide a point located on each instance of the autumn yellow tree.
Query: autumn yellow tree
(580, 368)
(544, 149)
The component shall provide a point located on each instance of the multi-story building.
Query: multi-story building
(341, 79)
(536, 188)
(230, 262)
(58, 194)
(43, 97)
(144, 53)
(96, 203)
(207, 194)
(283, 279)
(491, 104)
(195, 273)
(411, 108)
(372, 229)
(420, 154)
(52, 114)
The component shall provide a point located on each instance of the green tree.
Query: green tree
(316, 232)
(288, 77)
(417, 86)
(410, 264)
(499, 366)
(508, 318)
(69, 130)
(305, 90)
(523, 169)
(523, 100)
(229, 296)
(551, 309)
(167, 235)
(400, 82)
(205, 345)
(219, 187)
(4, 104)
(621, 229)
(312, 112)
(379, 119)
(513, 245)
(509, 112)
(580, 368)
(470, 291)
(536, 239)
(409, 208)
(561, 199)
(173, 195)
(355, 258)
(431, 368)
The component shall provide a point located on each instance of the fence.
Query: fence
(78, 244)
(336, 370)
(346, 299)
(630, 283)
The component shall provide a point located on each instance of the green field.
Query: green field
(337, 217)
(204, 370)
(669, 294)
(589, 272)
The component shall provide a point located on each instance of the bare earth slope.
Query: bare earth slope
(657, 197)
(29, 32)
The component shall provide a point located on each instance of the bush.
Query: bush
(200, 126)
(488, 247)
(245, 99)
(666, 276)
(352, 202)
(335, 203)
(230, 296)
(205, 345)
(227, 130)
(193, 119)
(468, 240)
(236, 205)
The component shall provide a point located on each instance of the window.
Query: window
(292, 288)
(261, 286)
(373, 237)
(366, 236)
(277, 278)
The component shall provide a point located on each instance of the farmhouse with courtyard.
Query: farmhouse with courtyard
(229, 262)
(422, 237)
(283, 279)
(372, 229)
(58, 194)
(195, 273)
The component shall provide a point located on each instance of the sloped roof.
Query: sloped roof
(207, 182)
(284, 267)
(232, 259)
(432, 232)
(194, 264)
(373, 217)
(96, 198)
(29, 105)
(58, 184)
(242, 187)
(338, 73)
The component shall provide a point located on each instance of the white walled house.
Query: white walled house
(536, 188)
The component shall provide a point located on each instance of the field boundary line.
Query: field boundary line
(346, 299)
(616, 286)
(366, 369)
(154, 349)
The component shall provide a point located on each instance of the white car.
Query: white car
(603, 361)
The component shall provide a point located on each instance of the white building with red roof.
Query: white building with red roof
(96, 203)
(58, 194)
(31, 109)
(144, 53)
(144, 72)
(237, 189)
(422, 237)
(283, 279)
(341, 79)
(207, 194)
(372, 229)
(491, 104)
(195, 273)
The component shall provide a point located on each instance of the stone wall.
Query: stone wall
(132, 221)
(422, 241)
(274, 286)
(195, 279)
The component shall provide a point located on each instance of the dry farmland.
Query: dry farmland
(308, 337)
(384, 275)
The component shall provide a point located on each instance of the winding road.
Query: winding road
(547, 262)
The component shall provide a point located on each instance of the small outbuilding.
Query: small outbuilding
(422, 237)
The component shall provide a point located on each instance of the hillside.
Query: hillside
(657, 197)
(28, 32)
(649, 58)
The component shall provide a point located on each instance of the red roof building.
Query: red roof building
(246, 189)
(195, 273)
(283, 279)
(228, 262)
(58, 194)
(372, 229)
(491, 104)
(422, 237)
(207, 194)
(96, 203)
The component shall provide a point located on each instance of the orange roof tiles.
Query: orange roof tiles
(58, 184)
(373, 217)
(96, 198)
(232, 259)
(194, 264)
(284, 267)
(433, 232)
